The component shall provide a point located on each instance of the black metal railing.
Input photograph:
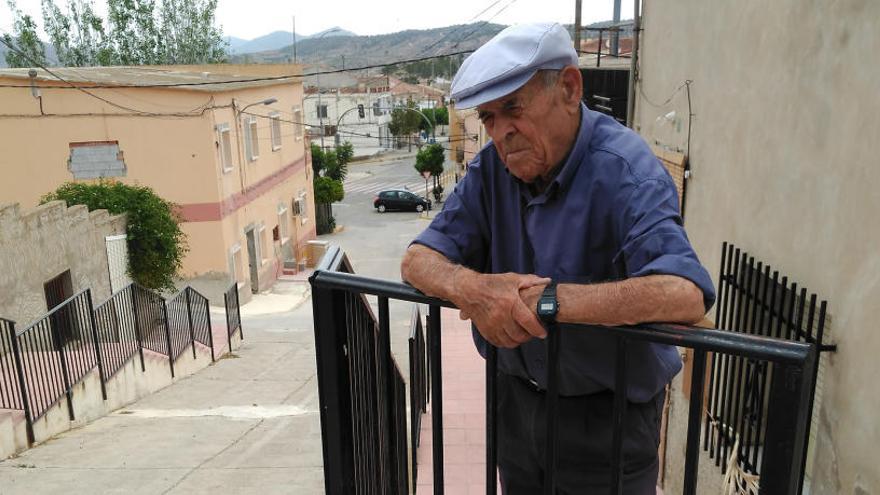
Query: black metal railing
(118, 332)
(57, 351)
(10, 388)
(42, 363)
(344, 385)
(179, 325)
(152, 321)
(754, 299)
(200, 319)
(418, 387)
(233, 313)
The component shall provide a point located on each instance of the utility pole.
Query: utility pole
(293, 34)
(577, 26)
(615, 35)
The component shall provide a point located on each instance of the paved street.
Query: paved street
(248, 423)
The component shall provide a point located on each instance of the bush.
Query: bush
(156, 245)
(328, 190)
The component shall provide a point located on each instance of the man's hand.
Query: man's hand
(494, 303)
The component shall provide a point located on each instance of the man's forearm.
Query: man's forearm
(652, 298)
(430, 272)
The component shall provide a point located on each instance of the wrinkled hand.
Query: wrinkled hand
(494, 303)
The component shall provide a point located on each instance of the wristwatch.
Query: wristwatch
(548, 305)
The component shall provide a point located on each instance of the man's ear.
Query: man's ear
(572, 85)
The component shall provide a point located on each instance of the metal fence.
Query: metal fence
(754, 299)
(418, 387)
(42, 363)
(200, 319)
(10, 388)
(56, 352)
(352, 465)
(118, 332)
(233, 313)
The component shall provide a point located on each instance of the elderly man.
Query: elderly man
(564, 204)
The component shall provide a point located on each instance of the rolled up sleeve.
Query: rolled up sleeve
(654, 240)
(459, 232)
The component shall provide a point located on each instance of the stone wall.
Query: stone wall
(40, 244)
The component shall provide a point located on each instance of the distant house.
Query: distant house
(423, 96)
(466, 137)
(333, 112)
(200, 136)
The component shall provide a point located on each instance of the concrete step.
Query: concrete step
(8, 445)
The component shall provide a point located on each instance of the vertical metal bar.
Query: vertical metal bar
(719, 309)
(599, 50)
(189, 318)
(436, 397)
(553, 338)
(741, 362)
(168, 336)
(491, 419)
(749, 365)
(820, 331)
(97, 344)
(331, 346)
(65, 374)
(385, 362)
(787, 420)
(692, 451)
(229, 328)
(134, 293)
(762, 394)
(238, 314)
(22, 385)
(210, 328)
(726, 398)
(618, 417)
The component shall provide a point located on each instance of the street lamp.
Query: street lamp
(267, 101)
(318, 83)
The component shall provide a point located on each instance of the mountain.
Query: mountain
(48, 49)
(336, 50)
(234, 43)
(277, 40)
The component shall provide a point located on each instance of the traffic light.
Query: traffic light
(361, 111)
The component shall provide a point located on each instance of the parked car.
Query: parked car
(397, 199)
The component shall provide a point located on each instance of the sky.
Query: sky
(252, 18)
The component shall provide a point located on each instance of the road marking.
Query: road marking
(230, 412)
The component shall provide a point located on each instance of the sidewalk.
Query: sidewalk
(464, 414)
(246, 424)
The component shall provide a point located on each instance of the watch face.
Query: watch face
(547, 306)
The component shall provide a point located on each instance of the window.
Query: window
(283, 223)
(377, 109)
(94, 159)
(236, 268)
(264, 245)
(251, 141)
(224, 143)
(321, 110)
(275, 118)
(297, 123)
(300, 208)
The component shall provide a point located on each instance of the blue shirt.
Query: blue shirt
(610, 213)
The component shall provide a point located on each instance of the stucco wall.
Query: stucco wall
(786, 113)
(39, 244)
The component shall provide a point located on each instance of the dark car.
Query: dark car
(400, 200)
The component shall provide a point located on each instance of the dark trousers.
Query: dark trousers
(584, 444)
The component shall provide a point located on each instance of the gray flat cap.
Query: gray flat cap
(507, 61)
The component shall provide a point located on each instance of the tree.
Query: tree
(78, 35)
(405, 121)
(156, 245)
(332, 163)
(24, 39)
(430, 159)
(439, 116)
(137, 32)
(328, 190)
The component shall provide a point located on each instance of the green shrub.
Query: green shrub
(156, 245)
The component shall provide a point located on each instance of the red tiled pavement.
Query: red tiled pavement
(464, 415)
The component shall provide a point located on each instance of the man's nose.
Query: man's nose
(504, 128)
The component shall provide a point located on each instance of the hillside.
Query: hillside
(359, 51)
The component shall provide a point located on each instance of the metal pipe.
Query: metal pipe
(436, 397)
(634, 65)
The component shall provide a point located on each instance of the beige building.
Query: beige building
(466, 137)
(786, 114)
(228, 149)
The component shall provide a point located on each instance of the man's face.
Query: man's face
(521, 126)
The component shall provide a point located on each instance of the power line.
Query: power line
(213, 83)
